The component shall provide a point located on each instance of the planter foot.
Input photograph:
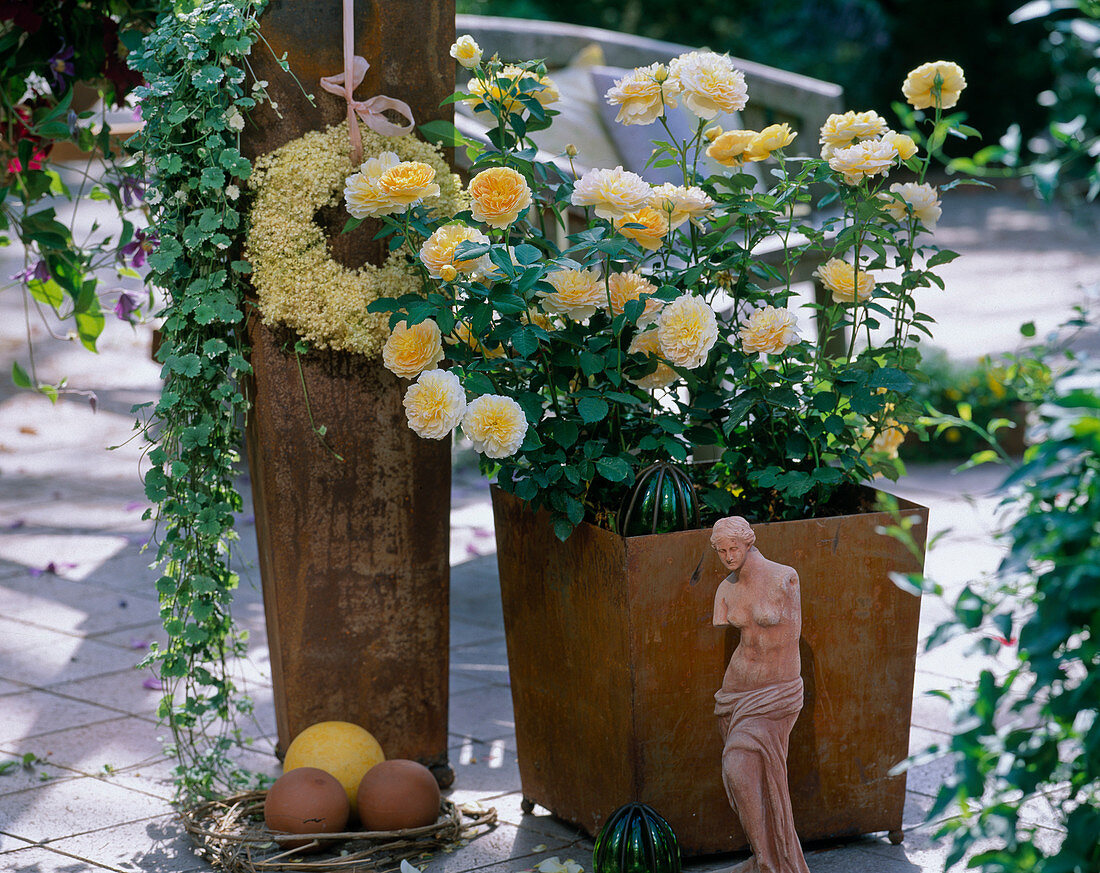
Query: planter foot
(527, 805)
(444, 774)
(895, 837)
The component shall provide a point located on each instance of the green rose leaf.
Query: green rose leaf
(592, 409)
(614, 468)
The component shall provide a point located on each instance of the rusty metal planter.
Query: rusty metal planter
(614, 664)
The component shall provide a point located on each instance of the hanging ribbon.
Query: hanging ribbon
(370, 112)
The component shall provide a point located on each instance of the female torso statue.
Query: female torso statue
(761, 695)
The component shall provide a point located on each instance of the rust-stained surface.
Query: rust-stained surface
(353, 555)
(614, 664)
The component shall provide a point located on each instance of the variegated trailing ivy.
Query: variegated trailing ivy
(196, 96)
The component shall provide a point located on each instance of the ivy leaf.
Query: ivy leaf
(20, 376)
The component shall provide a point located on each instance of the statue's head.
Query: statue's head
(732, 538)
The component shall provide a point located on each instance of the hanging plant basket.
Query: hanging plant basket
(230, 834)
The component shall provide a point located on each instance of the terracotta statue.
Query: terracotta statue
(761, 695)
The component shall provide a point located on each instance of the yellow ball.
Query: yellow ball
(340, 748)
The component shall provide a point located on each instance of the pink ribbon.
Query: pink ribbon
(369, 111)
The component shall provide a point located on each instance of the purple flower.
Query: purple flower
(39, 272)
(127, 303)
(133, 190)
(138, 249)
(153, 684)
(61, 65)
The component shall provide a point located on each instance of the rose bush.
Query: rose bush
(654, 332)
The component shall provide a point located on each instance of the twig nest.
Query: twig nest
(398, 794)
(306, 801)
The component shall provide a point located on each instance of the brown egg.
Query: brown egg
(398, 794)
(306, 800)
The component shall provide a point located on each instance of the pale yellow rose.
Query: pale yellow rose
(643, 95)
(499, 195)
(507, 95)
(841, 130)
(434, 404)
(679, 203)
(729, 148)
(462, 334)
(362, 196)
(624, 287)
(495, 425)
(920, 200)
(868, 158)
(708, 83)
(466, 51)
(407, 183)
(889, 439)
(410, 351)
(577, 293)
(687, 330)
(646, 343)
(847, 284)
(438, 252)
(769, 330)
(646, 226)
(712, 133)
(904, 144)
(611, 193)
(920, 85)
(771, 139)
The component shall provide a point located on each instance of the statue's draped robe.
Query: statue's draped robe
(759, 722)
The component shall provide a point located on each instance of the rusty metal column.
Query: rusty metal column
(353, 555)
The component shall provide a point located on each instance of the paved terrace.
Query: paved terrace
(77, 607)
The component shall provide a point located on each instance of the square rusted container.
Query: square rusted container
(614, 663)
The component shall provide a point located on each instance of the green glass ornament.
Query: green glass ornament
(662, 500)
(636, 839)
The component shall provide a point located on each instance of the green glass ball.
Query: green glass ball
(636, 839)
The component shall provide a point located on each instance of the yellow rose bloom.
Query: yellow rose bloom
(904, 144)
(410, 351)
(499, 195)
(847, 284)
(920, 200)
(867, 158)
(708, 83)
(407, 183)
(362, 196)
(769, 330)
(687, 330)
(646, 226)
(646, 343)
(611, 193)
(679, 203)
(507, 95)
(462, 334)
(643, 95)
(770, 139)
(466, 51)
(888, 440)
(920, 85)
(624, 287)
(577, 293)
(729, 148)
(495, 425)
(841, 130)
(438, 252)
(434, 404)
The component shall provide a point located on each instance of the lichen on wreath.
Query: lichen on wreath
(297, 281)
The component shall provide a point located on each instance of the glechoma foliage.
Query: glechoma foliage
(595, 323)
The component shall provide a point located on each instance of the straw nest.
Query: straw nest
(230, 834)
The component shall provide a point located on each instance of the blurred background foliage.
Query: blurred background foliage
(1032, 71)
